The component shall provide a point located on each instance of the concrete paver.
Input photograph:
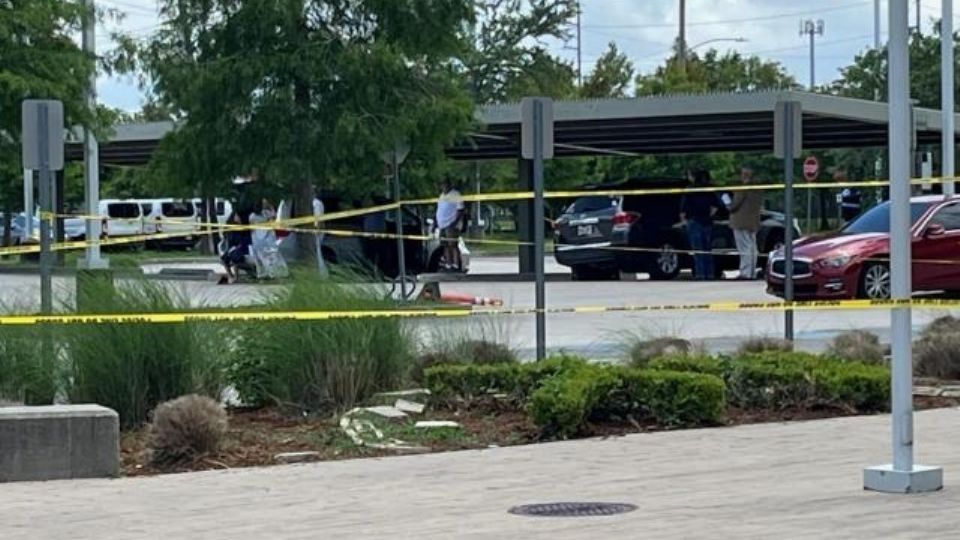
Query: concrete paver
(796, 480)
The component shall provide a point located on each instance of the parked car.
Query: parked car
(171, 216)
(854, 261)
(122, 217)
(600, 236)
(420, 256)
(18, 229)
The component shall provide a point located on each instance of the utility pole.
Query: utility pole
(876, 45)
(811, 28)
(947, 143)
(682, 43)
(579, 48)
(918, 17)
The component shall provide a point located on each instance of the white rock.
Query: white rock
(409, 406)
(428, 424)
(386, 411)
(296, 457)
(404, 393)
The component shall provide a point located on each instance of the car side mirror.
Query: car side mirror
(934, 229)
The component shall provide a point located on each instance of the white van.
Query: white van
(171, 216)
(122, 217)
(223, 208)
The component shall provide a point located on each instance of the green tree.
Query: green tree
(503, 56)
(303, 92)
(866, 78)
(713, 72)
(611, 75)
(42, 61)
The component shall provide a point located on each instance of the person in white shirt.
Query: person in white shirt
(448, 220)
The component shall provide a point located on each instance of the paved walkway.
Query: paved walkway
(798, 480)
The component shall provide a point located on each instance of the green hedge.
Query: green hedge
(452, 383)
(563, 403)
(782, 380)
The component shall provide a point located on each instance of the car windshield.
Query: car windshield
(591, 204)
(877, 219)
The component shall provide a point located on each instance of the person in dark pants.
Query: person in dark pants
(238, 243)
(696, 213)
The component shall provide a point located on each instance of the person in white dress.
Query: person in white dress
(270, 263)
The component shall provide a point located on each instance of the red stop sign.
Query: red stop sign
(811, 168)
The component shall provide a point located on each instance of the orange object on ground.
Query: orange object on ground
(469, 300)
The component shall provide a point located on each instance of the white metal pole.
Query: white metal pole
(28, 205)
(91, 150)
(876, 24)
(902, 476)
(899, 91)
(948, 144)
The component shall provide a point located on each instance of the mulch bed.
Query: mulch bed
(256, 436)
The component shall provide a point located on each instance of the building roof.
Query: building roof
(741, 121)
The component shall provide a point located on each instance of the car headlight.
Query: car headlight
(836, 261)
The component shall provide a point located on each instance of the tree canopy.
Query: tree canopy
(40, 60)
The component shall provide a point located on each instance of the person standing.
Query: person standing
(450, 211)
(850, 198)
(696, 212)
(745, 222)
(270, 263)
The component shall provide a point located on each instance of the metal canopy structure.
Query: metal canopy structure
(692, 123)
(634, 126)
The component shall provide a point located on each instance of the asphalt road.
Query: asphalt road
(601, 335)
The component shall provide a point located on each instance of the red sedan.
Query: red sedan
(854, 262)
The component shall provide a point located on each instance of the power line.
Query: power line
(741, 20)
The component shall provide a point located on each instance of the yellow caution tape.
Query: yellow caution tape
(212, 228)
(273, 316)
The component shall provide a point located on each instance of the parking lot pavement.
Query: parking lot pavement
(600, 335)
(793, 480)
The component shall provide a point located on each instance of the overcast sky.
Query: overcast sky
(645, 30)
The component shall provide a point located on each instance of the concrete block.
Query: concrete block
(58, 441)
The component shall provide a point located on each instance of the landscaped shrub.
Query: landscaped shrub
(133, 367)
(28, 373)
(466, 382)
(764, 344)
(185, 429)
(323, 365)
(937, 352)
(779, 380)
(475, 351)
(564, 402)
(641, 351)
(857, 346)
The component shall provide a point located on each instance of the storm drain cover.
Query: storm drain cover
(572, 509)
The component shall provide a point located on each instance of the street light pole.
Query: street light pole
(716, 40)
(682, 45)
(947, 142)
(811, 28)
(91, 149)
(902, 475)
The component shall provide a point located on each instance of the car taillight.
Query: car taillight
(623, 220)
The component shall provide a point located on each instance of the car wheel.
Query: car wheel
(875, 281)
(666, 263)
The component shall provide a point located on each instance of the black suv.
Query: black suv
(598, 235)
